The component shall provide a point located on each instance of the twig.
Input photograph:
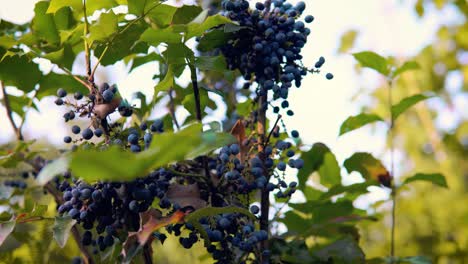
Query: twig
(86, 45)
(196, 91)
(172, 109)
(31, 101)
(9, 112)
(272, 129)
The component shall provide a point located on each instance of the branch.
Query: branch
(86, 45)
(148, 254)
(265, 194)
(31, 101)
(172, 109)
(196, 91)
(9, 112)
(272, 129)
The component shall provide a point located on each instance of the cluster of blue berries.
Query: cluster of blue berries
(105, 210)
(268, 46)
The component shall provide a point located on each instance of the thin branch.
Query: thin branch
(148, 254)
(118, 33)
(196, 91)
(9, 112)
(31, 101)
(265, 194)
(272, 129)
(172, 109)
(86, 44)
(392, 171)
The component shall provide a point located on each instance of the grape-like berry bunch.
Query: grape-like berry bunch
(268, 45)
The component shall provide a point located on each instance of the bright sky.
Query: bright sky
(389, 27)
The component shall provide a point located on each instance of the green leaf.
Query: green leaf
(435, 178)
(194, 218)
(314, 159)
(122, 45)
(19, 71)
(195, 29)
(117, 164)
(61, 229)
(211, 138)
(62, 57)
(178, 54)
(77, 6)
(244, 109)
(57, 167)
(186, 13)
(51, 82)
(358, 121)
(347, 41)
(104, 27)
(372, 60)
(406, 103)
(43, 24)
(329, 170)
(212, 39)
(407, 66)
(138, 7)
(356, 189)
(343, 251)
(295, 223)
(369, 167)
(138, 61)
(211, 63)
(167, 83)
(162, 15)
(154, 37)
(5, 230)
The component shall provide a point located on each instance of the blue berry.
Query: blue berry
(67, 139)
(98, 132)
(329, 76)
(78, 96)
(76, 130)
(254, 209)
(135, 148)
(61, 93)
(294, 134)
(87, 134)
(281, 166)
(309, 19)
(132, 139)
(108, 95)
(59, 101)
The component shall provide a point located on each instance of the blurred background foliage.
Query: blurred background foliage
(430, 220)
